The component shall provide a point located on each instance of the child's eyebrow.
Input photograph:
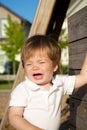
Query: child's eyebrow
(39, 60)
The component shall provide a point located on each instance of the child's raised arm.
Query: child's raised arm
(81, 79)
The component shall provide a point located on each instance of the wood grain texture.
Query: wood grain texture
(78, 114)
(77, 24)
(77, 50)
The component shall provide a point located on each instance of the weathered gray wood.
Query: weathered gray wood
(77, 47)
(81, 94)
(77, 25)
(78, 116)
(7, 77)
(76, 60)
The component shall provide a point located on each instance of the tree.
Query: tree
(15, 39)
(63, 43)
(63, 39)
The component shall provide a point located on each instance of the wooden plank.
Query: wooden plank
(77, 47)
(42, 17)
(39, 26)
(78, 114)
(81, 94)
(73, 71)
(76, 60)
(77, 24)
(77, 51)
(56, 20)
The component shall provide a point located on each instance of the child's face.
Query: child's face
(39, 69)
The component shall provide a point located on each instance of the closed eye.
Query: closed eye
(42, 62)
(28, 64)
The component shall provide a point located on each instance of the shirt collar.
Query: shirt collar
(31, 84)
(56, 81)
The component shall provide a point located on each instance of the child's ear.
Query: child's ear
(55, 68)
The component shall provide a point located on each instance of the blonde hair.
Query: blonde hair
(38, 42)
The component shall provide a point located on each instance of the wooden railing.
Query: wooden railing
(7, 77)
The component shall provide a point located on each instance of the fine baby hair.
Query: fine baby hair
(41, 43)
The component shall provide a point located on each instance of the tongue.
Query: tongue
(38, 76)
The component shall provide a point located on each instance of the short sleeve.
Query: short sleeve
(18, 96)
(69, 83)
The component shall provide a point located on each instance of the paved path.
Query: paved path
(4, 97)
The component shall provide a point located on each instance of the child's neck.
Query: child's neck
(46, 87)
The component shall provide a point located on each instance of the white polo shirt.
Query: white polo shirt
(42, 107)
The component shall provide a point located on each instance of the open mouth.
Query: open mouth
(38, 76)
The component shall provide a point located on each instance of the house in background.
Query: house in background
(4, 12)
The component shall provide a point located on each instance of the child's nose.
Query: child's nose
(35, 67)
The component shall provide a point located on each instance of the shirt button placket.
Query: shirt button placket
(46, 99)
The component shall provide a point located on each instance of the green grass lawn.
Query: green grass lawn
(5, 86)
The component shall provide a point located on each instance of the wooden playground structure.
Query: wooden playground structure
(48, 19)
